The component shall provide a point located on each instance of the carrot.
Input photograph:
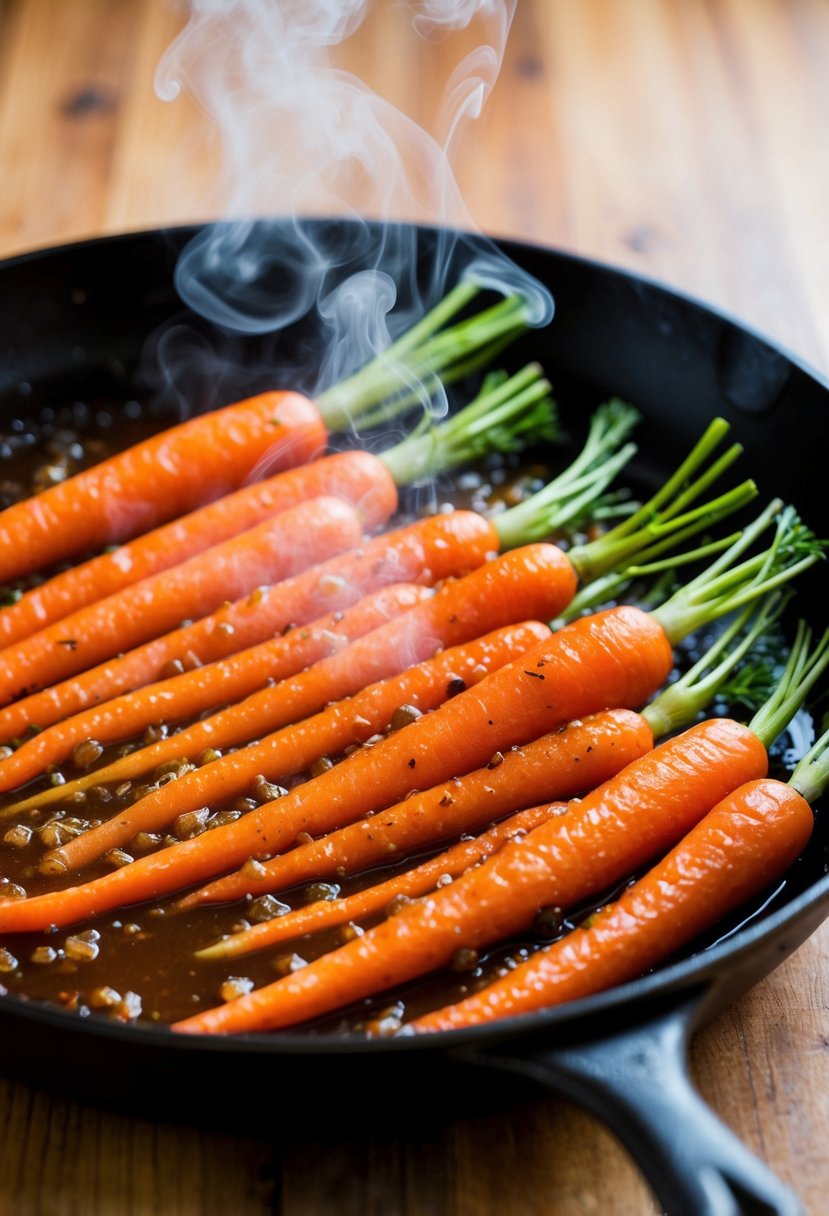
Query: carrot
(496, 595)
(575, 757)
(504, 414)
(578, 756)
(425, 552)
(190, 693)
(209, 455)
(158, 479)
(262, 830)
(613, 659)
(746, 842)
(534, 580)
(651, 528)
(325, 913)
(278, 548)
(552, 506)
(569, 858)
(634, 816)
(356, 477)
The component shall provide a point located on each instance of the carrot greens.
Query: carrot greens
(811, 774)
(507, 413)
(727, 584)
(412, 368)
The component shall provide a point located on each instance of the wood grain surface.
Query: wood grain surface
(686, 139)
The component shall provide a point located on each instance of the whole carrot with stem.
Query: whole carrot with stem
(616, 828)
(478, 608)
(657, 519)
(531, 581)
(577, 757)
(745, 843)
(209, 455)
(502, 417)
(614, 659)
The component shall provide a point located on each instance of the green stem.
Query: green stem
(610, 586)
(430, 385)
(811, 776)
(725, 586)
(413, 367)
(603, 555)
(714, 433)
(435, 319)
(683, 700)
(665, 514)
(582, 482)
(505, 415)
(799, 676)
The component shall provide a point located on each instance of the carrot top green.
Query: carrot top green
(802, 671)
(507, 413)
(411, 369)
(811, 775)
(729, 584)
(720, 671)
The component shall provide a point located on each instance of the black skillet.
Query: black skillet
(90, 319)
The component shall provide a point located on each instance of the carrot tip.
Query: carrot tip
(216, 950)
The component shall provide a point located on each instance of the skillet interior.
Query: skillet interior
(85, 319)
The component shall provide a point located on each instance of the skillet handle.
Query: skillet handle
(637, 1082)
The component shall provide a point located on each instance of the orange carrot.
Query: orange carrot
(575, 757)
(325, 913)
(616, 828)
(193, 463)
(192, 692)
(424, 687)
(275, 549)
(377, 657)
(356, 477)
(746, 842)
(537, 579)
(612, 659)
(210, 455)
(424, 552)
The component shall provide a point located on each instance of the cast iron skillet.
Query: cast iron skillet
(86, 319)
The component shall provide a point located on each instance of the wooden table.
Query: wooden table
(683, 139)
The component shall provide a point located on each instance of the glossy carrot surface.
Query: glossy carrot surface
(424, 552)
(191, 693)
(576, 757)
(615, 658)
(616, 828)
(356, 477)
(376, 899)
(741, 846)
(277, 823)
(276, 549)
(282, 714)
(165, 476)
(538, 579)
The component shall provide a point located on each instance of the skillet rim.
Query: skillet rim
(698, 972)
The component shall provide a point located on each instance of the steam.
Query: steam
(302, 137)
